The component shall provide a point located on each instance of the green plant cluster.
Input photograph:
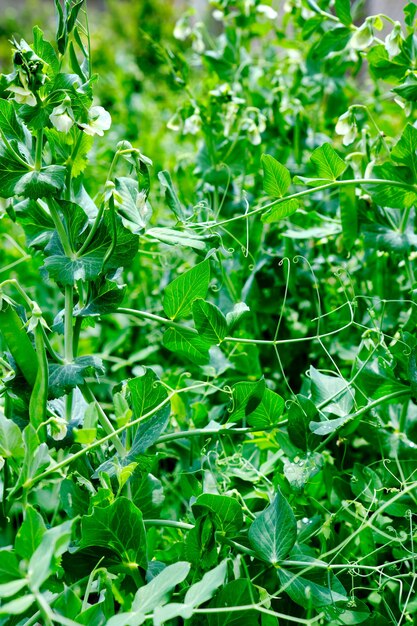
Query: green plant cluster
(209, 400)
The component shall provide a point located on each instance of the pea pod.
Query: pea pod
(18, 342)
(39, 395)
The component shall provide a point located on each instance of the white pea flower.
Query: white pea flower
(393, 40)
(267, 11)
(363, 36)
(346, 127)
(62, 116)
(175, 122)
(22, 93)
(192, 125)
(99, 121)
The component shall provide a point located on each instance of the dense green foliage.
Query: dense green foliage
(209, 399)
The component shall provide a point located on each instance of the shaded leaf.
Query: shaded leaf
(274, 532)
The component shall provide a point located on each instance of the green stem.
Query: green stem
(39, 149)
(169, 523)
(66, 244)
(263, 342)
(93, 231)
(312, 190)
(404, 219)
(118, 431)
(68, 342)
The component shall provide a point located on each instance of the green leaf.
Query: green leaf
(9, 124)
(247, 396)
(240, 592)
(280, 211)
(318, 587)
(30, 533)
(17, 606)
(49, 181)
(343, 11)
(328, 426)
(404, 151)
(329, 166)
(131, 204)
(204, 590)
(234, 316)
(268, 411)
(185, 237)
(11, 440)
(186, 342)
(171, 195)
(333, 391)
(227, 511)
(110, 237)
(118, 527)
(12, 169)
(277, 179)
(36, 457)
(148, 597)
(209, 321)
(274, 532)
(105, 297)
(181, 292)
(45, 560)
(152, 595)
(300, 414)
(387, 195)
(63, 378)
(299, 472)
(45, 51)
(146, 392)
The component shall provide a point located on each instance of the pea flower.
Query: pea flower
(22, 93)
(99, 121)
(394, 40)
(62, 116)
(346, 126)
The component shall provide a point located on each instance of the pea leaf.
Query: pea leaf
(333, 391)
(209, 321)
(316, 588)
(171, 195)
(329, 165)
(133, 208)
(118, 527)
(343, 11)
(44, 561)
(247, 396)
(280, 211)
(240, 592)
(180, 294)
(105, 296)
(268, 411)
(227, 511)
(277, 178)
(146, 393)
(63, 378)
(152, 595)
(274, 531)
(49, 181)
(387, 195)
(30, 533)
(186, 342)
(11, 440)
(405, 150)
(9, 124)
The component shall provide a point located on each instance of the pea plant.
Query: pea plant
(209, 375)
